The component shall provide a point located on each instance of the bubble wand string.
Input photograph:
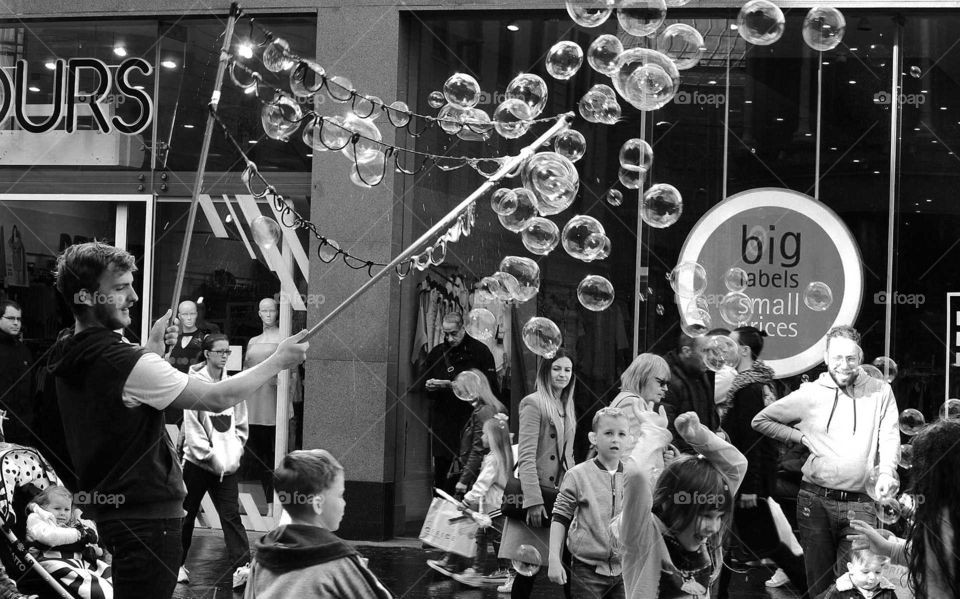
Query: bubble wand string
(430, 236)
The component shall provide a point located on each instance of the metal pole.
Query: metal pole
(204, 152)
(561, 124)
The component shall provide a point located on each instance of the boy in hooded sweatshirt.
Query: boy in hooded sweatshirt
(305, 559)
(212, 446)
(848, 420)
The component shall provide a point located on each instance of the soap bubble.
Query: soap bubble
(630, 179)
(646, 78)
(906, 456)
(540, 236)
(476, 125)
(503, 201)
(436, 99)
(527, 274)
(605, 90)
(564, 60)
(818, 296)
(369, 173)
(736, 308)
(275, 55)
(735, 279)
(614, 197)
(950, 410)
(888, 510)
(695, 322)
(609, 113)
(366, 147)
(887, 366)
(450, 118)
(719, 351)
(688, 279)
(466, 385)
(823, 28)
(661, 206)
(760, 22)
(872, 371)
(528, 560)
(266, 232)
(531, 90)
(307, 78)
(508, 286)
(365, 107)
(911, 422)
(682, 44)
(542, 336)
(589, 13)
(591, 106)
(641, 17)
(509, 119)
(481, 324)
(570, 144)
(311, 136)
(553, 178)
(461, 89)
(488, 290)
(636, 155)
(603, 52)
(908, 505)
(595, 293)
(873, 477)
(281, 117)
(604, 250)
(582, 237)
(334, 134)
(915, 72)
(525, 210)
(398, 113)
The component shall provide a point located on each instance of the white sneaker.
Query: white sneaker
(240, 576)
(778, 579)
(183, 575)
(507, 587)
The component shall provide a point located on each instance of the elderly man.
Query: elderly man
(848, 420)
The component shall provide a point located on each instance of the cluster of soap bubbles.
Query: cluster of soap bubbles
(689, 281)
(762, 23)
(599, 105)
(636, 158)
(584, 238)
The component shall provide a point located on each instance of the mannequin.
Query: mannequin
(262, 410)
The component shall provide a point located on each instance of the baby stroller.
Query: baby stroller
(21, 466)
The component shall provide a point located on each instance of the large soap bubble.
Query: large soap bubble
(564, 59)
(760, 22)
(688, 279)
(503, 201)
(570, 144)
(661, 205)
(950, 410)
(695, 322)
(541, 236)
(591, 106)
(887, 366)
(527, 274)
(462, 90)
(736, 308)
(589, 13)
(266, 232)
(366, 149)
(735, 279)
(719, 351)
(823, 28)
(481, 324)
(531, 90)
(630, 179)
(510, 118)
(911, 422)
(595, 293)
(521, 215)
(527, 561)
(542, 337)
(641, 17)
(817, 296)
(476, 125)
(508, 286)
(682, 44)
(369, 173)
(645, 78)
(466, 385)
(276, 56)
(281, 117)
(488, 290)
(888, 510)
(450, 118)
(553, 179)
(603, 52)
(582, 237)
(636, 155)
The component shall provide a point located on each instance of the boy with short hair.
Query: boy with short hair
(590, 497)
(304, 558)
(863, 579)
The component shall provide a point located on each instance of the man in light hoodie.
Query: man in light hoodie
(848, 420)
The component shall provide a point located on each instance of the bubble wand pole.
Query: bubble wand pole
(562, 123)
(204, 153)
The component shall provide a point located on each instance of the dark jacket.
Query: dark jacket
(471, 444)
(843, 589)
(123, 457)
(16, 390)
(690, 391)
(752, 390)
(298, 560)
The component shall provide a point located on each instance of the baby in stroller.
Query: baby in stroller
(65, 545)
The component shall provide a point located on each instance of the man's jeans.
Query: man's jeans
(146, 556)
(824, 525)
(585, 583)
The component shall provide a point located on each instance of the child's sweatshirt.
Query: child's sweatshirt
(590, 498)
(489, 484)
(644, 552)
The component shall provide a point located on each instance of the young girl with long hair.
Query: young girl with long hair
(672, 535)
(468, 460)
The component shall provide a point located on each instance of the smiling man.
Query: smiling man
(111, 396)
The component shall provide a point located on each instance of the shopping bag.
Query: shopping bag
(446, 528)
(516, 533)
(784, 532)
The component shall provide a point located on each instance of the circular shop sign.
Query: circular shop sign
(784, 240)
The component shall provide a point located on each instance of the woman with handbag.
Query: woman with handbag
(547, 428)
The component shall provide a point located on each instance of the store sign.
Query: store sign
(784, 240)
(117, 89)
